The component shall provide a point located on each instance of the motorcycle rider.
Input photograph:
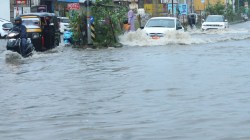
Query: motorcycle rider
(21, 29)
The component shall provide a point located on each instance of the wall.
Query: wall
(198, 5)
(4, 9)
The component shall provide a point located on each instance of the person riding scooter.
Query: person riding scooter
(68, 37)
(23, 34)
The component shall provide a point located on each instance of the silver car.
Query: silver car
(5, 27)
(214, 22)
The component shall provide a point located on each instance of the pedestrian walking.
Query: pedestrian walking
(131, 19)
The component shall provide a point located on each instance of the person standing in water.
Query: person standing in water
(131, 19)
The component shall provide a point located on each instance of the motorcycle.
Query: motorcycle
(14, 44)
(244, 17)
(67, 37)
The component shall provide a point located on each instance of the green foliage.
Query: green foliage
(108, 22)
(78, 26)
(217, 9)
(229, 13)
(220, 9)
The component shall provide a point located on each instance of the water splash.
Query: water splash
(52, 52)
(192, 36)
(139, 38)
(12, 57)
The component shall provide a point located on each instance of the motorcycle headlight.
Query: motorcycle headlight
(11, 34)
(35, 35)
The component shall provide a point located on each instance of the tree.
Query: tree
(217, 9)
(108, 20)
(107, 23)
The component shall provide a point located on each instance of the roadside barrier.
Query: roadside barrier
(92, 28)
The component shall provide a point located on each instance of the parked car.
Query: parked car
(63, 23)
(5, 27)
(157, 27)
(214, 22)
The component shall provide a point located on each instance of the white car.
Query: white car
(214, 22)
(63, 23)
(157, 27)
(5, 27)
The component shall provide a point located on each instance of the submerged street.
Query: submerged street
(189, 86)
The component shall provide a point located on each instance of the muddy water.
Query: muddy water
(194, 86)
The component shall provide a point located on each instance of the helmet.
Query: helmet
(18, 21)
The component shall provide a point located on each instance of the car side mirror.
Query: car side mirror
(225, 20)
(51, 24)
(142, 27)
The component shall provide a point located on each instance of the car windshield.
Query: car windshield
(7, 25)
(169, 23)
(31, 22)
(215, 19)
(65, 20)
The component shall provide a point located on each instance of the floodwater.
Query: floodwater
(189, 86)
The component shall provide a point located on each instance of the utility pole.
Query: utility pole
(88, 24)
(238, 9)
(234, 6)
(172, 8)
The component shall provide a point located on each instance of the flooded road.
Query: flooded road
(194, 86)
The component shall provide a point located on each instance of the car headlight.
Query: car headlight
(35, 35)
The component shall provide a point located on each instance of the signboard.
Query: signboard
(21, 2)
(68, 0)
(73, 6)
(17, 11)
(42, 8)
(26, 10)
(36, 2)
(182, 8)
(170, 1)
(82, 1)
(91, 19)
